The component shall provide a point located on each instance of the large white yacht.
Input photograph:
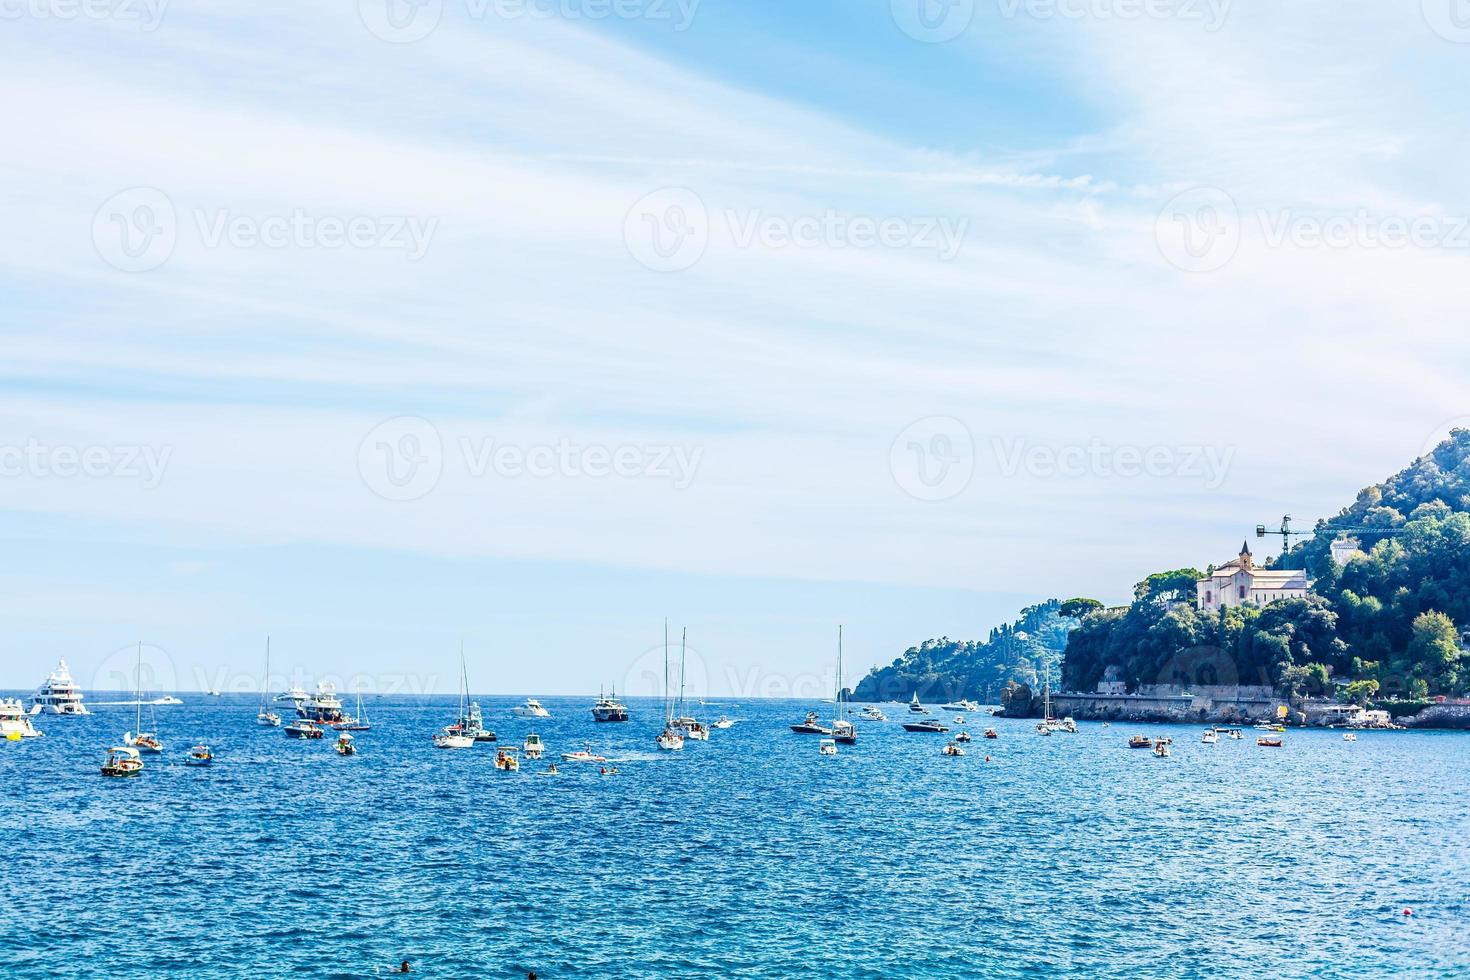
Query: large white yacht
(59, 694)
(531, 709)
(15, 723)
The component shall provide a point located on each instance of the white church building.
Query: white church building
(1240, 581)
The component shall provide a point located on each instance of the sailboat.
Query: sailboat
(265, 717)
(685, 722)
(844, 731)
(142, 741)
(454, 737)
(360, 722)
(670, 739)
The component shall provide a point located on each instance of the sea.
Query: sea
(750, 855)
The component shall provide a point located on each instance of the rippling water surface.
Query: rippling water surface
(750, 855)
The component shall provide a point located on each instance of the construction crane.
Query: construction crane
(1287, 533)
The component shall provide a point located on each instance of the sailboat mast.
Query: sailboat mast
(464, 684)
(667, 716)
(683, 705)
(138, 681)
(837, 698)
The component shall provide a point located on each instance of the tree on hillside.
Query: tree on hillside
(1434, 651)
(1078, 608)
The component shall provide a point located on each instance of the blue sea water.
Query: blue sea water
(747, 856)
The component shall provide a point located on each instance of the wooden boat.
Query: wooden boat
(122, 760)
(1270, 741)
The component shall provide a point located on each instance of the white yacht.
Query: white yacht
(15, 722)
(963, 704)
(609, 709)
(531, 708)
(533, 748)
(59, 695)
(324, 707)
(915, 708)
(296, 695)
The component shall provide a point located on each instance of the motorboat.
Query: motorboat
(1043, 729)
(1140, 742)
(583, 755)
(827, 746)
(873, 713)
(844, 732)
(670, 739)
(472, 724)
(296, 696)
(692, 728)
(199, 755)
(211, 693)
(167, 699)
(1235, 733)
(609, 708)
(953, 747)
(959, 719)
(453, 740)
(15, 722)
(533, 747)
(506, 760)
(722, 723)
(963, 704)
(915, 708)
(1067, 725)
(926, 725)
(990, 733)
(1270, 741)
(345, 744)
(1161, 749)
(530, 708)
(1210, 737)
(324, 707)
(811, 726)
(59, 694)
(963, 737)
(301, 728)
(122, 760)
(1349, 736)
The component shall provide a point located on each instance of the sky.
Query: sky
(374, 327)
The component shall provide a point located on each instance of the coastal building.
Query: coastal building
(1345, 550)
(1240, 581)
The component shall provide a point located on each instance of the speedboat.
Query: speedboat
(531, 708)
(962, 737)
(915, 708)
(15, 724)
(827, 746)
(199, 755)
(844, 731)
(722, 723)
(533, 747)
(122, 760)
(990, 733)
(963, 704)
(506, 760)
(954, 748)
(812, 726)
(927, 725)
(959, 719)
(609, 708)
(345, 744)
(1161, 749)
(872, 713)
(1210, 737)
(670, 739)
(1349, 736)
(301, 728)
(58, 694)
(583, 755)
(1140, 742)
(168, 699)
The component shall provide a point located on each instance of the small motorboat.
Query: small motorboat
(1140, 742)
(301, 728)
(723, 723)
(1210, 737)
(927, 725)
(453, 740)
(691, 728)
(506, 760)
(1349, 736)
(670, 739)
(812, 726)
(530, 708)
(583, 755)
(199, 755)
(533, 748)
(122, 760)
(963, 737)
(827, 746)
(873, 713)
(1235, 733)
(1269, 741)
(953, 747)
(990, 733)
(959, 719)
(345, 744)
(1161, 749)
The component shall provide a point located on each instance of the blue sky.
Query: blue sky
(887, 331)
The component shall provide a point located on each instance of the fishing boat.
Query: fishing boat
(827, 746)
(199, 755)
(1161, 749)
(530, 708)
(265, 717)
(811, 726)
(122, 760)
(1270, 741)
(722, 723)
(926, 725)
(583, 755)
(506, 760)
(345, 744)
(670, 739)
(59, 694)
(1210, 737)
(963, 737)
(844, 730)
(301, 728)
(1140, 742)
(953, 747)
(15, 723)
(533, 748)
(990, 733)
(915, 708)
(141, 740)
(609, 708)
(873, 713)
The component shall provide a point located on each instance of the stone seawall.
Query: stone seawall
(1245, 709)
(1456, 716)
